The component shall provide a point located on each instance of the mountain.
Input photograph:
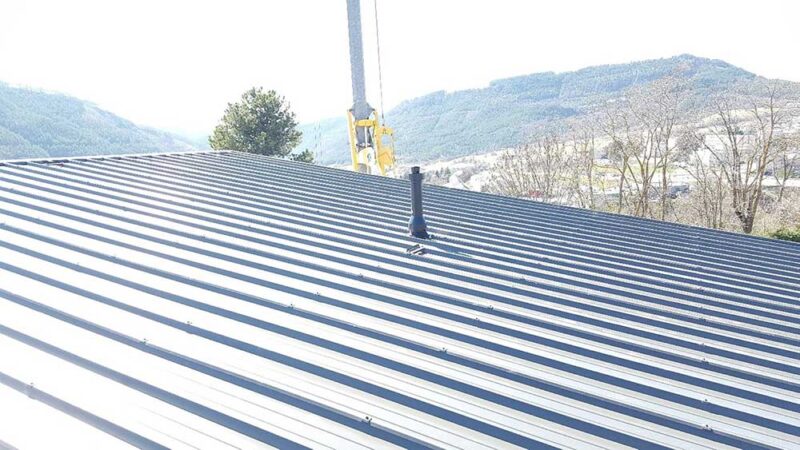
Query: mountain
(452, 124)
(36, 124)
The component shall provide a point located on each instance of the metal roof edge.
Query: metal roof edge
(53, 160)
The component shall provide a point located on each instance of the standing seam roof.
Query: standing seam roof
(224, 299)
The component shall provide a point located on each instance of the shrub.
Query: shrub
(787, 234)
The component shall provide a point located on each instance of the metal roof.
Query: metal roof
(220, 299)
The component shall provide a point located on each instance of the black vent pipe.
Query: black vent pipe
(417, 226)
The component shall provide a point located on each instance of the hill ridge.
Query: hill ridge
(442, 124)
(35, 123)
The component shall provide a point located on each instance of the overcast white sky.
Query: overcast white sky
(174, 64)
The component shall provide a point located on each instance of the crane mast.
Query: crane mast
(371, 143)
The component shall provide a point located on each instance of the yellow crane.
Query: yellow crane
(371, 141)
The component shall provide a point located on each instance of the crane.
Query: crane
(371, 142)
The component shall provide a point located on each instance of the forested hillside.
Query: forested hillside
(452, 124)
(38, 124)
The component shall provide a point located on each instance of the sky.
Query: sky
(175, 64)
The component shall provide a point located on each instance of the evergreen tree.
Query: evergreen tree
(261, 122)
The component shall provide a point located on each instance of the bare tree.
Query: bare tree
(786, 162)
(542, 170)
(641, 128)
(619, 158)
(614, 122)
(582, 139)
(741, 138)
(708, 202)
(664, 116)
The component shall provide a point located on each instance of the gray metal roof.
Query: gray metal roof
(219, 300)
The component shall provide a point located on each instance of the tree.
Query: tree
(262, 122)
(641, 127)
(708, 202)
(304, 156)
(543, 169)
(743, 140)
(786, 163)
(581, 135)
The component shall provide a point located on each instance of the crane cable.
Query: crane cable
(380, 73)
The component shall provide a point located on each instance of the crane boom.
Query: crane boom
(361, 109)
(369, 151)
